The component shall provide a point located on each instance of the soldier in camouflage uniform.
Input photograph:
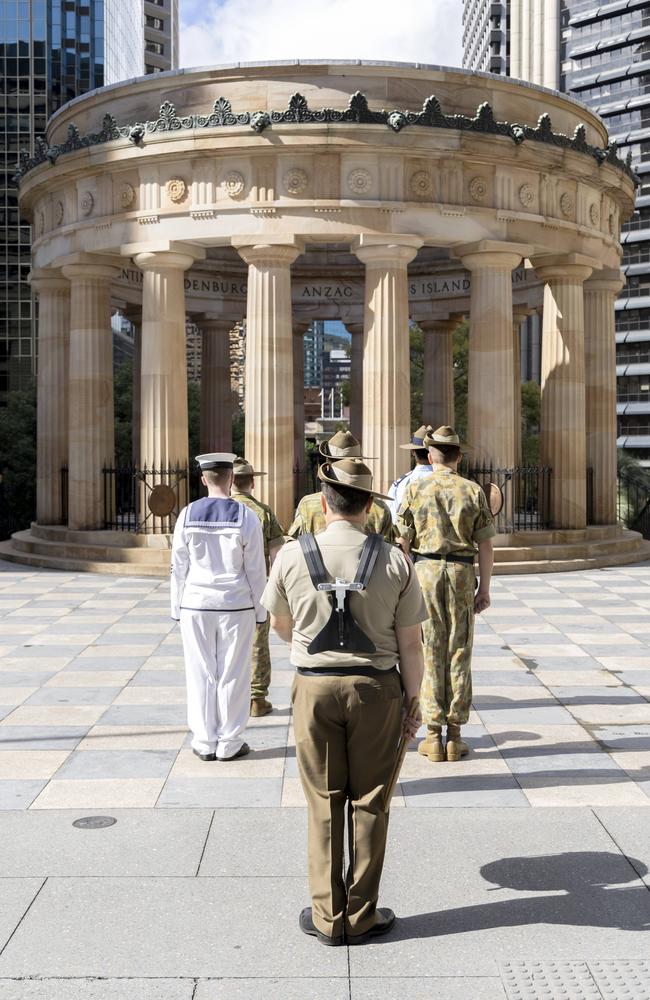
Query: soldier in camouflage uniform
(442, 518)
(243, 483)
(309, 517)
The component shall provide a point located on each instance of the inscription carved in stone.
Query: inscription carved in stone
(477, 188)
(359, 180)
(421, 184)
(234, 184)
(295, 180)
(176, 189)
(86, 203)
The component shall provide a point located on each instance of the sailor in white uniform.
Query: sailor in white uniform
(218, 575)
(421, 468)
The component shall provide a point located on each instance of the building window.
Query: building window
(152, 69)
(156, 47)
(154, 22)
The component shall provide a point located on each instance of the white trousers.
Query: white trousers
(218, 648)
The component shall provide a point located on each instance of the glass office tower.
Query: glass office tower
(50, 52)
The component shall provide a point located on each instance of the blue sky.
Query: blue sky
(223, 31)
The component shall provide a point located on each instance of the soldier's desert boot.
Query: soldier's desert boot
(260, 706)
(455, 748)
(431, 746)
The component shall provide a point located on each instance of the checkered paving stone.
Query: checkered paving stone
(92, 702)
(618, 980)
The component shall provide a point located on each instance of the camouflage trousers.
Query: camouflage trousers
(446, 693)
(261, 677)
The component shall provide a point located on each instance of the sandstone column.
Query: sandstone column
(600, 390)
(91, 441)
(386, 361)
(53, 292)
(163, 386)
(490, 404)
(519, 314)
(438, 385)
(216, 397)
(269, 371)
(299, 396)
(134, 316)
(563, 444)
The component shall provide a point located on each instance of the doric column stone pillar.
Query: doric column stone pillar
(163, 386)
(600, 293)
(386, 362)
(269, 371)
(216, 399)
(563, 444)
(519, 314)
(490, 404)
(299, 395)
(91, 441)
(356, 379)
(53, 292)
(438, 381)
(134, 316)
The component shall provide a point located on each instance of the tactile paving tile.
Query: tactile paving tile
(622, 980)
(549, 981)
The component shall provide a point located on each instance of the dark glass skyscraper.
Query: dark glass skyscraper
(50, 52)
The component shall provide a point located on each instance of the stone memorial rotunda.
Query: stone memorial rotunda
(377, 194)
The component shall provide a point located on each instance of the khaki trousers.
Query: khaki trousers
(347, 731)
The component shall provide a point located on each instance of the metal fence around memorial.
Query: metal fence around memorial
(633, 503)
(143, 500)
(526, 492)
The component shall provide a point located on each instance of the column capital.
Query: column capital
(438, 324)
(91, 270)
(269, 252)
(168, 260)
(214, 321)
(563, 267)
(520, 313)
(44, 279)
(608, 280)
(491, 253)
(300, 327)
(354, 329)
(162, 247)
(386, 251)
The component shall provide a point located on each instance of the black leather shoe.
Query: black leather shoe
(242, 752)
(384, 923)
(204, 756)
(307, 927)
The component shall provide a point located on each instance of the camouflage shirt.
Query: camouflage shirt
(445, 513)
(309, 518)
(271, 527)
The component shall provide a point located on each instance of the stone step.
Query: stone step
(626, 542)
(25, 541)
(76, 565)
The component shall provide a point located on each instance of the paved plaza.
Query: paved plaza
(521, 872)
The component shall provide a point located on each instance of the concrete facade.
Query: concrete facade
(321, 205)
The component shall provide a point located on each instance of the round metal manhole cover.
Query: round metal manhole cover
(162, 500)
(94, 822)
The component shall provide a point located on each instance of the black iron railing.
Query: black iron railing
(590, 496)
(132, 498)
(64, 494)
(633, 503)
(305, 480)
(526, 495)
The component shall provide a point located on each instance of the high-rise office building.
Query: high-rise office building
(50, 52)
(160, 35)
(485, 36)
(599, 51)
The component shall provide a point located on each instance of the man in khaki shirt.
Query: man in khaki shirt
(348, 703)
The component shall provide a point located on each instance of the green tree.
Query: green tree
(531, 404)
(123, 403)
(194, 418)
(18, 460)
(460, 347)
(416, 350)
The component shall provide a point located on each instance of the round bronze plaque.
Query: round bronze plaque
(161, 500)
(495, 498)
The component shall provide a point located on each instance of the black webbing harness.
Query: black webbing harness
(341, 631)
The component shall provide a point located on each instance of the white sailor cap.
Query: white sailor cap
(216, 460)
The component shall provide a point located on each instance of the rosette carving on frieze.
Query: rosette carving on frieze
(359, 180)
(594, 214)
(59, 212)
(477, 188)
(235, 184)
(127, 195)
(296, 180)
(526, 195)
(86, 203)
(176, 189)
(421, 184)
(567, 204)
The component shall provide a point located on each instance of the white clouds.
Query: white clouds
(224, 31)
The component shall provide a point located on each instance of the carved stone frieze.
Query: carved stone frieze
(359, 180)
(59, 213)
(526, 195)
(477, 188)
(235, 184)
(567, 204)
(594, 214)
(86, 203)
(127, 195)
(176, 189)
(421, 184)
